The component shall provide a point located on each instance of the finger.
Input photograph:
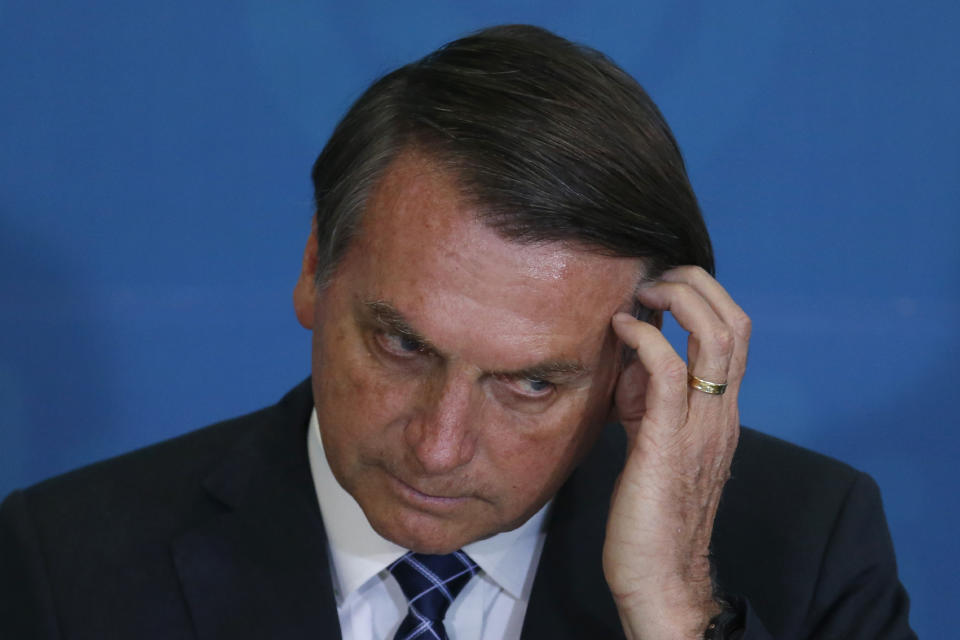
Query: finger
(729, 311)
(665, 402)
(708, 287)
(711, 342)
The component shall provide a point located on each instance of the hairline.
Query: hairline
(483, 214)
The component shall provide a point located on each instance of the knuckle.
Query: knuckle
(742, 325)
(691, 271)
(697, 271)
(723, 340)
(674, 370)
(684, 293)
(684, 274)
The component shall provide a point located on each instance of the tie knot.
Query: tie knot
(432, 582)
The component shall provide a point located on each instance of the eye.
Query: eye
(533, 388)
(398, 344)
(535, 385)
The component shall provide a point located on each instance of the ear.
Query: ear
(305, 291)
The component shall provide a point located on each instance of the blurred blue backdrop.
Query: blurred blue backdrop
(154, 203)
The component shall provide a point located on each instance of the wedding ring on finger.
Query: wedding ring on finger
(713, 388)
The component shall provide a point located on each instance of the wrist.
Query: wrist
(662, 620)
(728, 624)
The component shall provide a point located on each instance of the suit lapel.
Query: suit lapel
(259, 568)
(570, 598)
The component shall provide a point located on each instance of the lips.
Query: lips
(416, 496)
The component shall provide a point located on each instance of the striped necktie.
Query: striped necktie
(430, 583)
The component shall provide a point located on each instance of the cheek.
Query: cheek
(358, 402)
(533, 469)
(533, 457)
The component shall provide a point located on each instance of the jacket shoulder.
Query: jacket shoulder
(137, 490)
(765, 466)
(93, 549)
(796, 528)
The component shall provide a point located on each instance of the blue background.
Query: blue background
(154, 203)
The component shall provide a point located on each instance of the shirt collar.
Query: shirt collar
(358, 553)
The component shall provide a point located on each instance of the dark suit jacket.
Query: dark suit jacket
(217, 534)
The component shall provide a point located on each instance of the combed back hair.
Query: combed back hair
(551, 141)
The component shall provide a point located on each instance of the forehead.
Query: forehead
(422, 249)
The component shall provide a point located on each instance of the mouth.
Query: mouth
(421, 499)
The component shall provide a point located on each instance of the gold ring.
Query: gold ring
(713, 388)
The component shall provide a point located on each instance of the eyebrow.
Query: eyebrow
(554, 370)
(391, 319)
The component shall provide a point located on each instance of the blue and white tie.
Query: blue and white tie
(431, 583)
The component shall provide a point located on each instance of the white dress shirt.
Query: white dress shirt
(369, 600)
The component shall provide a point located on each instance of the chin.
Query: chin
(432, 537)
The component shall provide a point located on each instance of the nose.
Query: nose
(440, 435)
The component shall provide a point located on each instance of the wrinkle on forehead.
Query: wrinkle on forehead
(418, 192)
(424, 247)
(547, 265)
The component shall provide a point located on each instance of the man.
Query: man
(499, 229)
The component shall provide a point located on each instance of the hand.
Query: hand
(680, 443)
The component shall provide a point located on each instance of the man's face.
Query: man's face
(458, 377)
